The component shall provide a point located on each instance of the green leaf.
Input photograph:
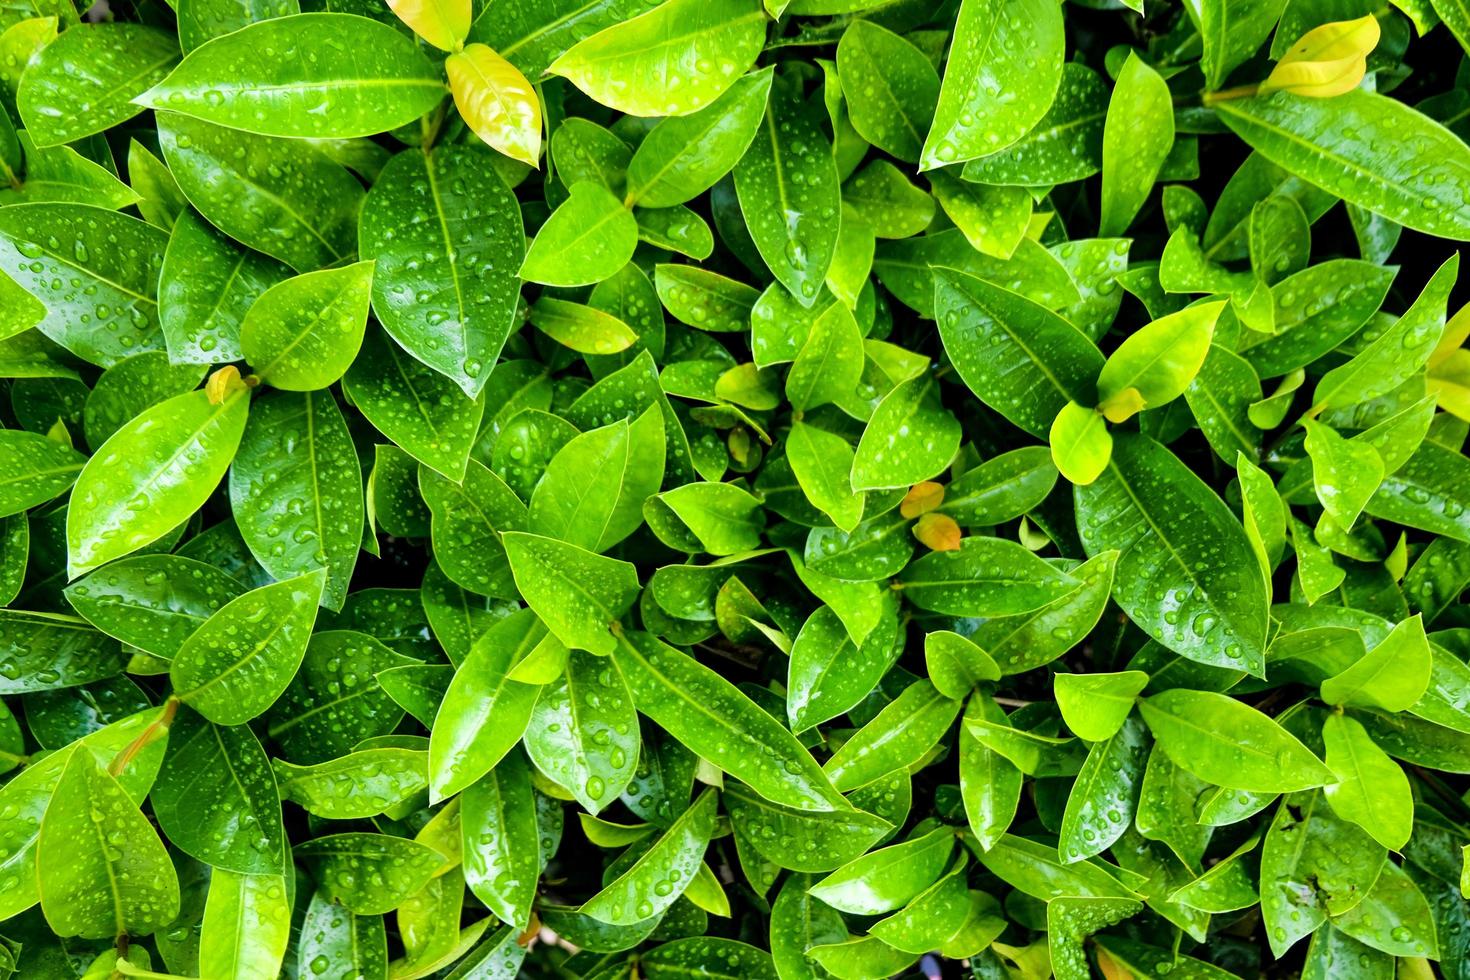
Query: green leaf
(703, 299)
(306, 217)
(31, 790)
(1159, 360)
(368, 874)
(216, 798)
(502, 854)
(1001, 488)
(720, 518)
(235, 666)
(1005, 64)
(59, 173)
(334, 702)
(1231, 31)
(829, 365)
(1018, 357)
(1081, 445)
(296, 488)
(1104, 797)
(254, 79)
(1392, 675)
(131, 386)
(462, 746)
(670, 61)
(1231, 744)
(910, 438)
(890, 86)
(87, 80)
(582, 328)
(829, 674)
(593, 490)
(956, 664)
(46, 651)
(790, 193)
(1345, 474)
(86, 262)
(718, 959)
(34, 469)
(712, 718)
(102, 869)
(247, 925)
(1095, 705)
(888, 878)
(671, 862)
(445, 233)
(375, 780)
(334, 937)
(203, 20)
(577, 593)
(1396, 355)
(415, 407)
(1371, 790)
(151, 475)
(983, 577)
(1393, 917)
(822, 463)
(800, 840)
(1066, 144)
(583, 733)
(468, 519)
(1028, 641)
(897, 738)
(1186, 572)
(586, 240)
(993, 218)
(798, 922)
(683, 156)
(1336, 144)
(932, 918)
(1136, 139)
(1036, 870)
(302, 334)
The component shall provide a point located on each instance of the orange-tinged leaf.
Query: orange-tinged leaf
(1110, 967)
(443, 23)
(938, 532)
(496, 102)
(921, 498)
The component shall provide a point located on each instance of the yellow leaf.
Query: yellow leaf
(1334, 41)
(443, 23)
(1122, 406)
(921, 498)
(1316, 79)
(1455, 332)
(1327, 60)
(496, 102)
(223, 383)
(1449, 381)
(938, 532)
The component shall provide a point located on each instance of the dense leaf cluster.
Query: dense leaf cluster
(763, 489)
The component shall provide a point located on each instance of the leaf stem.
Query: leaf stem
(155, 730)
(1226, 94)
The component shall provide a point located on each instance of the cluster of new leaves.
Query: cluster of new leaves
(720, 488)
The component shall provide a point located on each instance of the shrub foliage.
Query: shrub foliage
(723, 488)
